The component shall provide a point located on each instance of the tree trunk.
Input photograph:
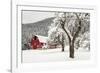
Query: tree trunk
(62, 47)
(62, 44)
(71, 49)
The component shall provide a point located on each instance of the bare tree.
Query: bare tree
(72, 37)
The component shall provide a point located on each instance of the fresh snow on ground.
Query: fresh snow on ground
(53, 55)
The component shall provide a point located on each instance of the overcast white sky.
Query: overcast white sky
(34, 16)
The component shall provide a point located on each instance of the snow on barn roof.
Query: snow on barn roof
(42, 38)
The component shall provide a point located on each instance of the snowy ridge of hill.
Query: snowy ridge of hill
(38, 28)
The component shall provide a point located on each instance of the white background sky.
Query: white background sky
(34, 16)
(5, 36)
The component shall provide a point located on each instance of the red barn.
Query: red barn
(35, 43)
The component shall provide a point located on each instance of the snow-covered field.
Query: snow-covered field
(53, 55)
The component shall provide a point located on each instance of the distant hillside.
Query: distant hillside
(37, 28)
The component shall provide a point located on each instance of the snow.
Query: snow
(42, 38)
(53, 55)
